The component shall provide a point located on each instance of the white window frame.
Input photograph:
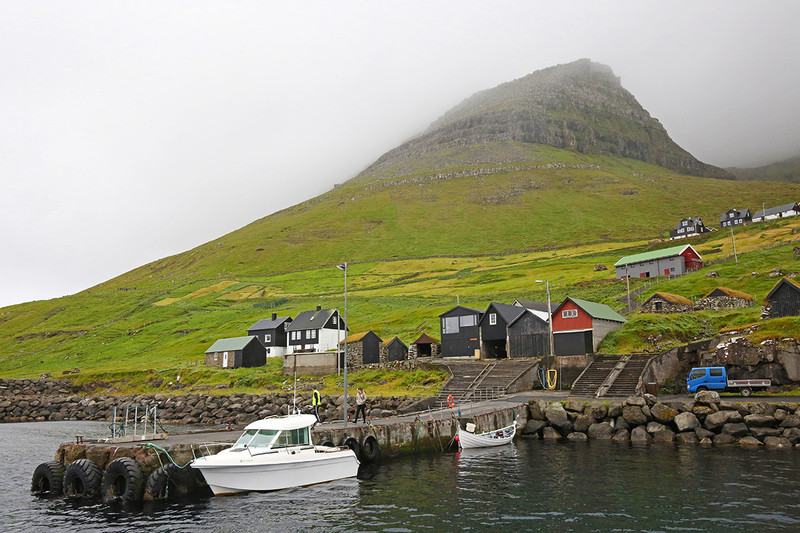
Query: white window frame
(312, 334)
(492, 319)
(569, 313)
(267, 337)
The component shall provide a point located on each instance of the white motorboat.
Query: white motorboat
(276, 453)
(469, 439)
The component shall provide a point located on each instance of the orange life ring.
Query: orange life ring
(451, 402)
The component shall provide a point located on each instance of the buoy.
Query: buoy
(451, 402)
(456, 438)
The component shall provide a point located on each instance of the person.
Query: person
(316, 401)
(361, 404)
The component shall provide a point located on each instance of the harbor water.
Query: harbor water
(530, 485)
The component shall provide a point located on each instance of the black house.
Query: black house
(363, 348)
(272, 334)
(735, 217)
(688, 227)
(784, 299)
(460, 333)
(493, 324)
(529, 334)
(396, 350)
(236, 352)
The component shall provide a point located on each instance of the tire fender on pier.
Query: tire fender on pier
(370, 448)
(170, 482)
(352, 443)
(122, 481)
(48, 479)
(82, 480)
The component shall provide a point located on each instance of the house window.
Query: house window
(569, 313)
(312, 334)
(658, 305)
(467, 320)
(450, 324)
(267, 337)
(334, 319)
(672, 269)
(295, 335)
(492, 319)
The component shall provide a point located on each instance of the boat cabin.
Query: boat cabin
(271, 433)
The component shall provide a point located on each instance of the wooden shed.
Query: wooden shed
(237, 352)
(664, 302)
(395, 349)
(529, 335)
(427, 346)
(784, 299)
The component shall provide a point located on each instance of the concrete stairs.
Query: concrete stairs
(627, 380)
(594, 375)
(483, 379)
(610, 376)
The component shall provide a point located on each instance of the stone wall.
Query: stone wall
(721, 302)
(705, 420)
(666, 306)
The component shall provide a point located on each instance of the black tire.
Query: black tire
(48, 479)
(745, 391)
(82, 480)
(328, 443)
(370, 448)
(701, 389)
(352, 443)
(169, 482)
(123, 481)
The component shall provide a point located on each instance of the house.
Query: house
(272, 334)
(316, 331)
(675, 261)
(735, 217)
(529, 334)
(237, 352)
(579, 326)
(426, 346)
(394, 350)
(493, 327)
(664, 302)
(363, 348)
(784, 299)
(532, 304)
(723, 297)
(460, 332)
(787, 210)
(688, 227)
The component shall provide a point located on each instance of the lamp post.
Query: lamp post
(549, 321)
(343, 267)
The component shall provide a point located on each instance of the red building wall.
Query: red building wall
(691, 260)
(582, 321)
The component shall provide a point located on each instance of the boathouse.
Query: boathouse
(579, 326)
(272, 334)
(425, 346)
(363, 348)
(529, 334)
(460, 331)
(237, 352)
(784, 299)
(394, 350)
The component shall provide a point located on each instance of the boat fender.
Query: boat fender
(451, 402)
(48, 479)
(370, 448)
(123, 481)
(82, 480)
(352, 443)
(328, 443)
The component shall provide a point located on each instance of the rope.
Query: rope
(149, 445)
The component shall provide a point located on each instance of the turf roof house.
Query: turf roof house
(460, 332)
(664, 302)
(394, 350)
(688, 227)
(723, 297)
(363, 349)
(272, 334)
(735, 217)
(786, 210)
(579, 326)
(784, 299)
(316, 331)
(675, 261)
(237, 352)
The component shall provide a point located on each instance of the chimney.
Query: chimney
(274, 316)
(319, 308)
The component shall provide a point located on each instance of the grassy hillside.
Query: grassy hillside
(787, 170)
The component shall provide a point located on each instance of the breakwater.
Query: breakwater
(705, 420)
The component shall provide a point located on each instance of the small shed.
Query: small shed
(395, 350)
(784, 299)
(664, 302)
(529, 334)
(237, 352)
(363, 348)
(426, 346)
(723, 297)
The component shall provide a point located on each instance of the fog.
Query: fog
(131, 131)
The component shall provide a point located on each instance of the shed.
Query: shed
(664, 302)
(579, 326)
(493, 329)
(426, 346)
(237, 352)
(529, 334)
(395, 349)
(460, 331)
(784, 299)
(363, 348)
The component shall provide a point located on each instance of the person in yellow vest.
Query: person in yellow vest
(316, 401)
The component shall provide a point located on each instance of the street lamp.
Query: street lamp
(549, 319)
(343, 267)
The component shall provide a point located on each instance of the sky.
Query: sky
(132, 131)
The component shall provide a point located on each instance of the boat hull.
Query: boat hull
(498, 437)
(275, 471)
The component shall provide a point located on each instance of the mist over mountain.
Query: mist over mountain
(579, 106)
(787, 170)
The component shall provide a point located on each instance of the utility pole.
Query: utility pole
(734, 246)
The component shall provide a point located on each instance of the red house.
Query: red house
(579, 326)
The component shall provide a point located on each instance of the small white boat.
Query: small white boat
(468, 439)
(276, 453)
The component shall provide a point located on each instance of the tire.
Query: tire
(168, 482)
(702, 389)
(82, 480)
(328, 443)
(352, 443)
(122, 481)
(370, 448)
(48, 479)
(745, 391)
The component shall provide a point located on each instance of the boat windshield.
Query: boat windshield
(256, 437)
(293, 437)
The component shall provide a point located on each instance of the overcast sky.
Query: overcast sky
(130, 131)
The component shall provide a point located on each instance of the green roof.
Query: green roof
(230, 345)
(597, 310)
(655, 254)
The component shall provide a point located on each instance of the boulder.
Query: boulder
(687, 437)
(707, 397)
(750, 441)
(715, 421)
(706, 441)
(777, 442)
(637, 401)
(763, 421)
(663, 413)
(575, 406)
(704, 433)
(633, 415)
(557, 416)
(664, 435)
(602, 430)
(793, 434)
(533, 427)
(654, 427)
(582, 423)
(702, 411)
(735, 430)
(577, 436)
(686, 422)
(598, 410)
(639, 434)
(536, 409)
(550, 433)
(761, 432)
(614, 409)
(622, 435)
(724, 438)
(621, 423)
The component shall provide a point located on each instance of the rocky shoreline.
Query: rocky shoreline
(706, 420)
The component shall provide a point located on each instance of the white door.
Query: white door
(224, 359)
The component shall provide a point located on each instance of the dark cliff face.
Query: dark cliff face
(580, 106)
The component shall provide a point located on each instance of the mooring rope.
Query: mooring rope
(148, 445)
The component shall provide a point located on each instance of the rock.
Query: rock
(633, 415)
(602, 430)
(701, 411)
(654, 427)
(664, 435)
(704, 434)
(715, 421)
(761, 432)
(686, 422)
(621, 423)
(577, 436)
(687, 438)
(549, 433)
(639, 434)
(557, 416)
(760, 421)
(663, 413)
(777, 442)
(598, 410)
(723, 439)
(536, 409)
(707, 397)
(750, 441)
(614, 409)
(712, 274)
(706, 441)
(600, 267)
(574, 406)
(637, 401)
(735, 430)
(650, 399)
(622, 435)
(582, 423)
(533, 427)
(793, 434)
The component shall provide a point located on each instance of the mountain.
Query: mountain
(579, 106)
(787, 170)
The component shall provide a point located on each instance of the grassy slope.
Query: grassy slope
(787, 170)
(157, 320)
